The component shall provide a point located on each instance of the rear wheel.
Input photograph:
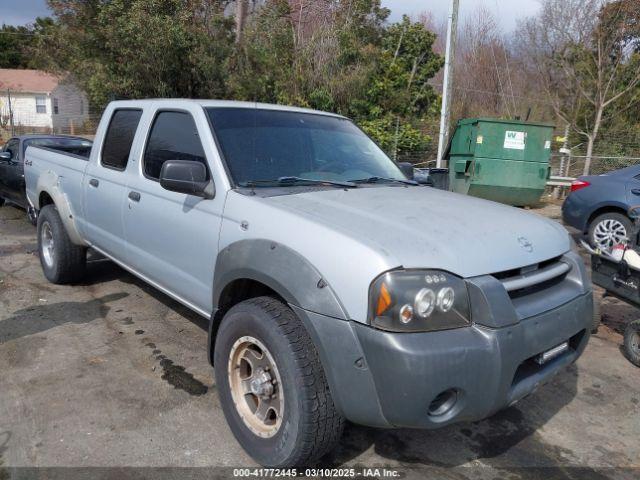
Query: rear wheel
(272, 387)
(609, 229)
(632, 342)
(62, 261)
(1, 201)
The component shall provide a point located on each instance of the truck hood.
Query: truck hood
(421, 227)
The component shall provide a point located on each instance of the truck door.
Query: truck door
(10, 174)
(105, 184)
(173, 237)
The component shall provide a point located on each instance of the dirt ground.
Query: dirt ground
(110, 380)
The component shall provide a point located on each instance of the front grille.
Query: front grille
(533, 278)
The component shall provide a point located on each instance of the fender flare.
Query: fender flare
(49, 183)
(280, 268)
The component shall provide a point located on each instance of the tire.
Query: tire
(632, 342)
(1, 201)
(602, 221)
(62, 261)
(309, 424)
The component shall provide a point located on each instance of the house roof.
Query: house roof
(31, 81)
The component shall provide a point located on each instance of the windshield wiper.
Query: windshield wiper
(383, 179)
(285, 181)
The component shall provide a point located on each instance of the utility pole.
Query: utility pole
(452, 33)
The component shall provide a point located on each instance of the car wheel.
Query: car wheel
(1, 201)
(632, 342)
(609, 229)
(272, 387)
(62, 261)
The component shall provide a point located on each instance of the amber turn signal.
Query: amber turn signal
(384, 300)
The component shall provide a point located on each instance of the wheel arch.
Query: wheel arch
(49, 193)
(601, 210)
(253, 268)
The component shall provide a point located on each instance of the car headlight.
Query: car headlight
(418, 301)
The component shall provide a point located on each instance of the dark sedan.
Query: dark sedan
(12, 188)
(598, 206)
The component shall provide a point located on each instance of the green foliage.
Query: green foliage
(341, 57)
(15, 43)
(395, 137)
(139, 48)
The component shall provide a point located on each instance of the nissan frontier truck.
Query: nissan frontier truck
(336, 288)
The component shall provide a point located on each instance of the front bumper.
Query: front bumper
(391, 379)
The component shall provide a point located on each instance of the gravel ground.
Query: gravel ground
(110, 380)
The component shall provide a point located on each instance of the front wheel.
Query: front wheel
(62, 261)
(610, 229)
(632, 342)
(272, 387)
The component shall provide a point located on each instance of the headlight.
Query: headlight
(418, 301)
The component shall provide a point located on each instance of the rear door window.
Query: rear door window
(174, 136)
(119, 138)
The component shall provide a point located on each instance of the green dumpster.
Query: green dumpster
(502, 160)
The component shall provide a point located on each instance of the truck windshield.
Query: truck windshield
(262, 147)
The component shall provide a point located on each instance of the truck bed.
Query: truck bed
(66, 170)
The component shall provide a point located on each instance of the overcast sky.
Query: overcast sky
(19, 12)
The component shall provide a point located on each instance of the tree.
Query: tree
(139, 48)
(336, 55)
(586, 57)
(15, 43)
(399, 91)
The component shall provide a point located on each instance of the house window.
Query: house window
(81, 106)
(41, 104)
(56, 109)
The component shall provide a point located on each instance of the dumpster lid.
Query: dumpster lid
(468, 121)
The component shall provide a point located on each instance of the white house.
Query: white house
(41, 102)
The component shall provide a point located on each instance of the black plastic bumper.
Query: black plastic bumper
(390, 379)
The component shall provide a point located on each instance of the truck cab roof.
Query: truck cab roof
(176, 103)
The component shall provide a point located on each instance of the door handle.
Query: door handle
(94, 183)
(635, 191)
(134, 196)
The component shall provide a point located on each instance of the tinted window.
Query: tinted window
(174, 136)
(270, 144)
(12, 146)
(119, 138)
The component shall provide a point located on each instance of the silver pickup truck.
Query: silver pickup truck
(336, 288)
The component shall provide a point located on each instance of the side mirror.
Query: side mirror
(5, 156)
(407, 169)
(184, 176)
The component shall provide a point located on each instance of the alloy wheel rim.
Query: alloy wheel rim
(48, 246)
(608, 233)
(256, 386)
